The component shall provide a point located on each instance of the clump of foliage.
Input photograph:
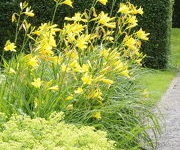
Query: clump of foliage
(85, 69)
(22, 132)
(70, 67)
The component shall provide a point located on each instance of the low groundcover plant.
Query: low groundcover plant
(85, 69)
(22, 132)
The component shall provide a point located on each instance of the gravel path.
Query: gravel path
(170, 108)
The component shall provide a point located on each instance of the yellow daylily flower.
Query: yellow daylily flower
(97, 115)
(68, 2)
(13, 18)
(69, 98)
(125, 73)
(130, 42)
(74, 28)
(82, 41)
(10, 46)
(78, 90)
(103, 79)
(132, 20)
(70, 107)
(73, 64)
(96, 94)
(33, 62)
(56, 59)
(134, 10)
(105, 20)
(23, 5)
(65, 68)
(142, 35)
(107, 81)
(123, 8)
(140, 11)
(104, 53)
(138, 61)
(85, 68)
(54, 88)
(87, 79)
(29, 12)
(103, 1)
(105, 70)
(109, 38)
(37, 83)
(77, 18)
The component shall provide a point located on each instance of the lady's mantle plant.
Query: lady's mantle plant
(22, 132)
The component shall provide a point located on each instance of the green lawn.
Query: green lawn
(157, 82)
(175, 48)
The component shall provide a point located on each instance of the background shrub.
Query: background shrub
(157, 21)
(176, 14)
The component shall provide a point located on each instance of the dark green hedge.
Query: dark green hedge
(156, 20)
(176, 14)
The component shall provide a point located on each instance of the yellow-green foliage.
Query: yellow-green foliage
(22, 132)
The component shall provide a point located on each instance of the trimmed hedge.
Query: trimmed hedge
(176, 14)
(156, 20)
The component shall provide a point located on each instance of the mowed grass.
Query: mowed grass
(157, 82)
(175, 48)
